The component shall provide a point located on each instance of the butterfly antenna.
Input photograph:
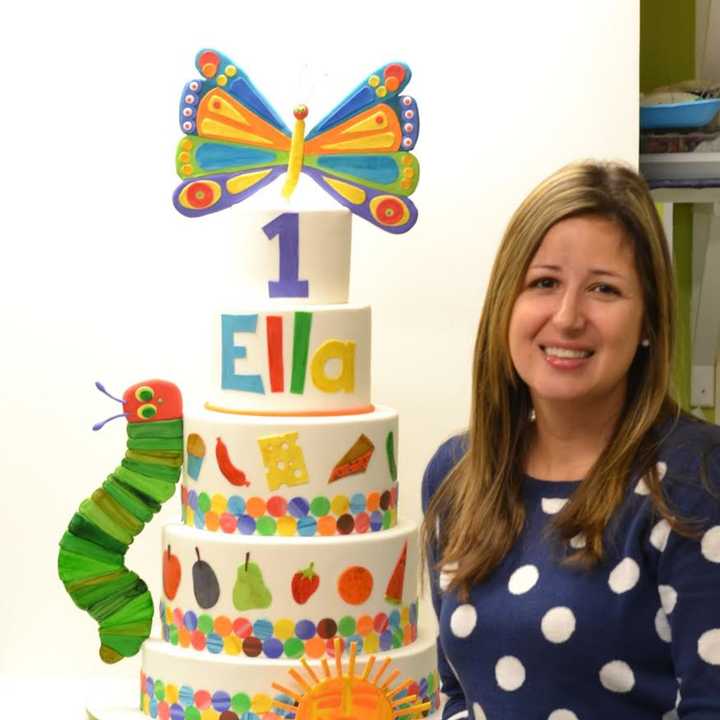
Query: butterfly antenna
(102, 389)
(98, 426)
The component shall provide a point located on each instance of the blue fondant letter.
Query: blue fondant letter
(232, 324)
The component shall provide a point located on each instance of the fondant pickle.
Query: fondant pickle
(91, 561)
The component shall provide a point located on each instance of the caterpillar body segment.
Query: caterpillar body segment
(91, 561)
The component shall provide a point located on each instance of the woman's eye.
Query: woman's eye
(606, 289)
(543, 283)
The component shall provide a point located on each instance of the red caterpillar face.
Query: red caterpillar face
(152, 400)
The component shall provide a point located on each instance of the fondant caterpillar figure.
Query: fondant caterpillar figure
(92, 551)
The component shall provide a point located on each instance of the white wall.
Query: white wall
(707, 40)
(100, 278)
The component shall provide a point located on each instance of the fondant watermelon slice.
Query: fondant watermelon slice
(393, 592)
(355, 460)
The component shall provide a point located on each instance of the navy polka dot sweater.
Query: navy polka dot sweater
(635, 638)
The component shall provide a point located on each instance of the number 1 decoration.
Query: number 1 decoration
(286, 228)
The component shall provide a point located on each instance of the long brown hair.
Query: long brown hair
(479, 505)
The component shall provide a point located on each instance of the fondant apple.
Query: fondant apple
(171, 574)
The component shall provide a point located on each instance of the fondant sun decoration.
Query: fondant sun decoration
(349, 696)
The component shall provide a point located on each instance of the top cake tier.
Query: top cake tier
(286, 340)
(301, 258)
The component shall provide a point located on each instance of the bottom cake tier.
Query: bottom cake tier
(179, 684)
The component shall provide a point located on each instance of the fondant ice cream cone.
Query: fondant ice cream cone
(195, 455)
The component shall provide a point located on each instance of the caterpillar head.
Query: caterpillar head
(152, 400)
(146, 401)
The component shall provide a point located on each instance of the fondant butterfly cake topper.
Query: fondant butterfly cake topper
(235, 143)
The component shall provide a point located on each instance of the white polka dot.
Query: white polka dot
(641, 488)
(710, 544)
(446, 575)
(659, 535)
(625, 575)
(662, 626)
(668, 598)
(562, 715)
(617, 676)
(662, 469)
(558, 624)
(509, 673)
(462, 621)
(552, 505)
(523, 579)
(709, 647)
(578, 541)
(478, 712)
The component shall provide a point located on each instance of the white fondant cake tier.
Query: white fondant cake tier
(179, 677)
(293, 360)
(286, 597)
(290, 256)
(336, 475)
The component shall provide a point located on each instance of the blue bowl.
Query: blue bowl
(679, 115)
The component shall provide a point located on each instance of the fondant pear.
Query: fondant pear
(250, 592)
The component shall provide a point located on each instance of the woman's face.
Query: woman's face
(575, 327)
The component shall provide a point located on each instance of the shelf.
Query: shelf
(684, 167)
(686, 195)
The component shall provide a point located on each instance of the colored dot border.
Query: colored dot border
(321, 515)
(164, 700)
(288, 638)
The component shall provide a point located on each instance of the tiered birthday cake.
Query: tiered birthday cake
(290, 587)
(291, 546)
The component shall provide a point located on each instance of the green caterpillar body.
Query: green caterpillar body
(91, 561)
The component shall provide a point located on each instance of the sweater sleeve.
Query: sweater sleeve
(440, 464)
(689, 585)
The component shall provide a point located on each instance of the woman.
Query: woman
(573, 533)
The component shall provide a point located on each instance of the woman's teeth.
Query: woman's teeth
(565, 353)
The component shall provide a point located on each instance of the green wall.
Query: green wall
(667, 42)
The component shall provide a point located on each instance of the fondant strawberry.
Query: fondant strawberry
(304, 584)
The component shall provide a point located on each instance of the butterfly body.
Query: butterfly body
(359, 153)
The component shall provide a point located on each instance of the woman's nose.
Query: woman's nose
(569, 313)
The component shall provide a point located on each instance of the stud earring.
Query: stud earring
(531, 415)
(645, 342)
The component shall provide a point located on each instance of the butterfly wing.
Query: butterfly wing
(220, 72)
(397, 173)
(382, 86)
(197, 156)
(359, 152)
(390, 212)
(235, 142)
(386, 127)
(200, 196)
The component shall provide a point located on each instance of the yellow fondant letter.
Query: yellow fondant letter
(334, 350)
